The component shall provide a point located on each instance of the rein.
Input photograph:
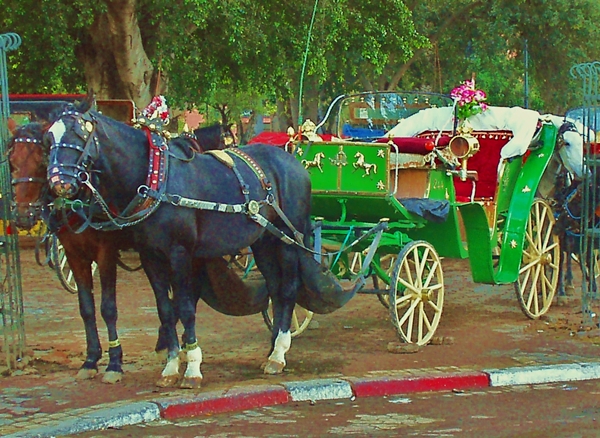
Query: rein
(150, 195)
(147, 199)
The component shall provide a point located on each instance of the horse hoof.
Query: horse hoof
(562, 301)
(86, 374)
(191, 383)
(273, 367)
(167, 381)
(570, 291)
(112, 377)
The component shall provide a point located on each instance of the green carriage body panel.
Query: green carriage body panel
(508, 232)
(348, 197)
(343, 193)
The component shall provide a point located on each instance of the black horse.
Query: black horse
(28, 160)
(182, 210)
(570, 217)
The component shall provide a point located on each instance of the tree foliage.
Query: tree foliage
(248, 53)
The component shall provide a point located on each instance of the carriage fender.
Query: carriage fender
(222, 288)
(321, 291)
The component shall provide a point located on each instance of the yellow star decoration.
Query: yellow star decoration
(380, 153)
(380, 185)
(300, 152)
(526, 189)
(513, 243)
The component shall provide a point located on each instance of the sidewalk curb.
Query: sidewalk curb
(239, 399)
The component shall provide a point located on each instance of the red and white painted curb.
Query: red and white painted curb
(245, 398)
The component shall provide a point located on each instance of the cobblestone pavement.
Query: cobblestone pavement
(482, 327)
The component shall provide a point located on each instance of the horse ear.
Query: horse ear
(87, 103)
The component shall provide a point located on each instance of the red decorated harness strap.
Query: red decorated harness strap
(156, 160)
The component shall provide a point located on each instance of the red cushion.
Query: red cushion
(416, 145)
(278, 138)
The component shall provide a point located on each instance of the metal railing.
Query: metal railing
(11, 297)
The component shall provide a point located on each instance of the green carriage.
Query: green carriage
(437, 194)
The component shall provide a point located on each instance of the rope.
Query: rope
(312, 21)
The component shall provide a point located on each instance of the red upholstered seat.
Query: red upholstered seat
(485, 162)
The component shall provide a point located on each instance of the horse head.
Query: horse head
(74, 148)
(570, 148)
(28, 159)
(214, 137)
(569, 143)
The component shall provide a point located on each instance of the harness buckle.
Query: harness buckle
(83, 177)
(76, 204)
(253, 207)
(143, 190)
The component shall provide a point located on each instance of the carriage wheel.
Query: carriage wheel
(417, 289)
(60, 264)
(538, 274)
(387, 262)
(243, 262)
(356, 263)
(300, 319)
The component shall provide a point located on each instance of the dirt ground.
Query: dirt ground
(482, 325)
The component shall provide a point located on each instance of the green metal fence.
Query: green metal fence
(589, 115)
(11, 297)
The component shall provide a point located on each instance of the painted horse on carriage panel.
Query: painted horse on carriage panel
(255, 196)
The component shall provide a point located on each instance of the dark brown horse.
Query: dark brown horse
(28, 158)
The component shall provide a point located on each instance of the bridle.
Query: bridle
(33, 209)
(567, 126)
(147, 198)
(85, 128)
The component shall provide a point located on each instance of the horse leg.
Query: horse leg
(569, 288)
(82, 273)
(561, 298)
(282, 275)
(107, 267)
(185, 299)
(158, 276)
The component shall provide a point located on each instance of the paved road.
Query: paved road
(554, 410)
(483, 326)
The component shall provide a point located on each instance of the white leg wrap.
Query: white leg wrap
(194, 359)
(172, 367)
(283, 343)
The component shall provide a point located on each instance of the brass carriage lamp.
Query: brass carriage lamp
(464, 146)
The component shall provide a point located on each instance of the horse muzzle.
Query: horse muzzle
(26, 218)
(61, 184)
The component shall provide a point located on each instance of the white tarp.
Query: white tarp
(522, 122)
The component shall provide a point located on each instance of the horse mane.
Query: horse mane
(33, 130)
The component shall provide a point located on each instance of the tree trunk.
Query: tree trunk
(115, 62)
